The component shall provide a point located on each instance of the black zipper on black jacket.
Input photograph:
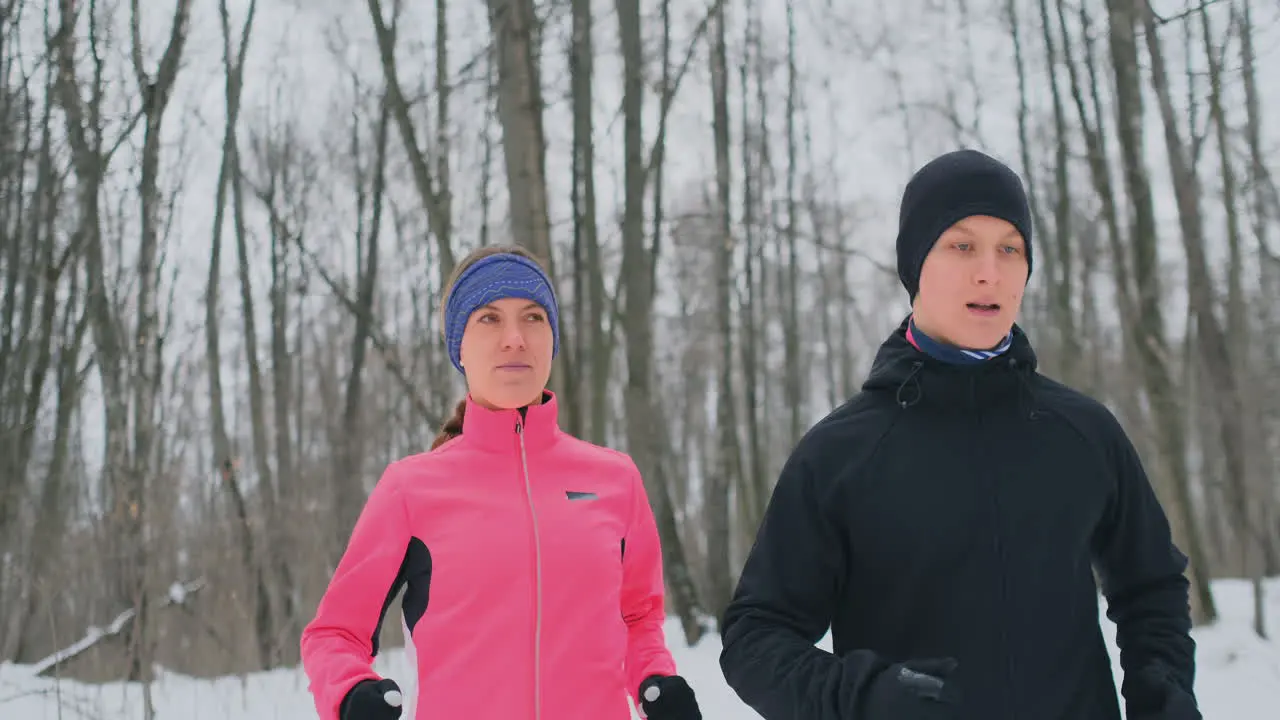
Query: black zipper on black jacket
(997, 545)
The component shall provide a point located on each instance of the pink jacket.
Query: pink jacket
(532, 575)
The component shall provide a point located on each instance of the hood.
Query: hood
(898, 362)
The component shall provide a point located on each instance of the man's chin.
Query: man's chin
(985, 338)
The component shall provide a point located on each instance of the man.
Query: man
(945, 521)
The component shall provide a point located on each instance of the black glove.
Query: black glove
(914, 690)
(668, 697)
(372, 700)
(1153, 695)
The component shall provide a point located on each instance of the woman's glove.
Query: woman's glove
(668, 697)
(372, 700)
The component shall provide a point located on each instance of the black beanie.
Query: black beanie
(951, 188)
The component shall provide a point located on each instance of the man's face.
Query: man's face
(971, 284)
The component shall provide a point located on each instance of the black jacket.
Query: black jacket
(952, 511)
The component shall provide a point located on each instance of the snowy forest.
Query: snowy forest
(225, 225)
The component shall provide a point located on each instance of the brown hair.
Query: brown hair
(453, 426)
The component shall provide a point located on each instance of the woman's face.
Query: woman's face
(506, 353)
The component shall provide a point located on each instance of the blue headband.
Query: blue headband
(494, 278)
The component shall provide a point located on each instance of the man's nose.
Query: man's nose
(987, 271)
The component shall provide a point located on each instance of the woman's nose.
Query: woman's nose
(512, 336)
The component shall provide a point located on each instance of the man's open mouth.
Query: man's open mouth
(985, 307)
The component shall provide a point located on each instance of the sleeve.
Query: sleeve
(339, 643)
(643, 595)
(1147, 593)
(784, 603)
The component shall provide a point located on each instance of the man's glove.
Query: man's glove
(372, 700)
(1153, 695)
(668, 697)
(914, 690)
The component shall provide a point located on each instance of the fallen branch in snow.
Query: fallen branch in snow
(177, 595)
(26, 693)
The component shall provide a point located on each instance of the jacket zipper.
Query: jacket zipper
(537, 570)
(996, 544)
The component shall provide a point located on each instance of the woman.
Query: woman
(529, 559)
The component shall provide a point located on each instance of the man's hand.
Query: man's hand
(914, 690)
(668, 697)
(1155, 696)
(372, 700)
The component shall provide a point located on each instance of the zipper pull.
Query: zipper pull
(519, 427)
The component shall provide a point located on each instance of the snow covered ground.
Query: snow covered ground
(1238, 679)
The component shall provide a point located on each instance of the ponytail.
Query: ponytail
(452, 427)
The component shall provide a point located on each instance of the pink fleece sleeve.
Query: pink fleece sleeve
(337, 645)
(643, 596)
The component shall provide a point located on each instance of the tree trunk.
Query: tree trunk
(644, 436)
(588, 277)
(513, 26)
(728, 470)
(1147, 327)
(348, 484)
(511, 23)
(227, 464)
(156, 92)
(1061, 273)
(435, 200)
(1213, 346)
(792, 377)
(754, 489)
(84, 123)
(1268, 277)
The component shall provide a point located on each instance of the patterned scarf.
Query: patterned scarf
(950, 353)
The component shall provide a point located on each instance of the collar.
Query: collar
(496, 429)
(911, 375)
(950, 353)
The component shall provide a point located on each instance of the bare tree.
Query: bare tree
(225, 459)
(42, 327)
(754, 491)
(155, 91)
(1265, 213)
(1215, 351)
(1147, 326)
(1061, 249)
(793, 374)
(727, 471)
(89, 159)
(588, 273)
(512, 24)
(349, 490)
(433, 192)
(644, 440)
